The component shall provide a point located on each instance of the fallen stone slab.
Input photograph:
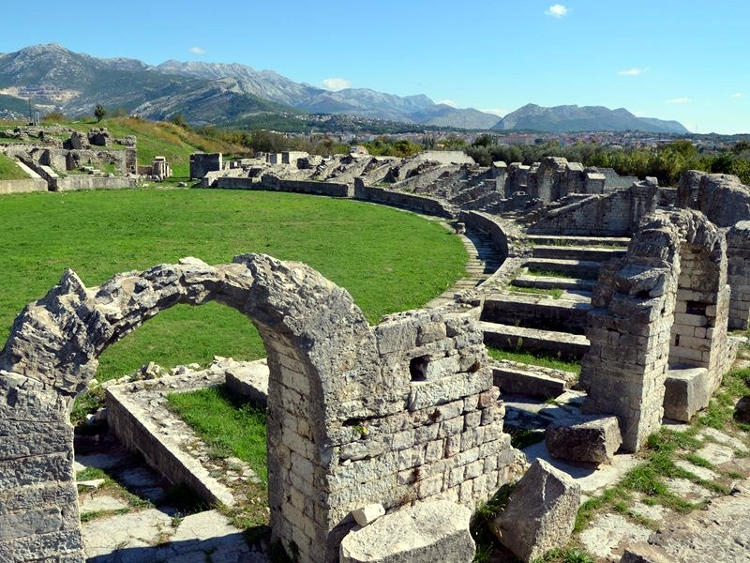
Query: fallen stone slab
(686, 392)
(426, 532)
(100, 503)
(541, 512)
(591, 441)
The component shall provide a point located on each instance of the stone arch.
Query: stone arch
(640, 324)
(321, 352)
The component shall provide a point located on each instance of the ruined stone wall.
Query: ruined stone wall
(22, 186)
(86, 182)
(357, 415)
(420, 203)
(675, 260)
(614, 214)
(554, 178)
(726, 202)
(720, 197)
(201, 163)
(738, 256)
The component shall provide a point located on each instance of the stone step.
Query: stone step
(542, 313)
(539, 282)
(577, 253)
(578, 240)
(516, 381)
(561, 344)
(582, 269)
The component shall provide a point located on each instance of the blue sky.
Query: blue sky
(687, 60)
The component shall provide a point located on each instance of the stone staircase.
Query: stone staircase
(549, 322)
(484, 260)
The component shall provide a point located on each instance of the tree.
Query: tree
(179, 120)
(99, 112)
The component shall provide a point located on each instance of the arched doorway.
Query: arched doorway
(320, 349)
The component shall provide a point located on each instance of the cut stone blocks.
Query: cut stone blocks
(540, 513)
(592, 441)
(520, 382)
(686, 392)
(426, 532)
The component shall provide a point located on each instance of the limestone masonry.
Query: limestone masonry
(375, 430)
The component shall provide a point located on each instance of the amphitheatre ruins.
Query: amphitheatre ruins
(383, 440)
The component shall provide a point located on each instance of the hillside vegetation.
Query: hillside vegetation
(160, 138)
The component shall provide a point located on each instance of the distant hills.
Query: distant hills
(233, 94)
(560, 119)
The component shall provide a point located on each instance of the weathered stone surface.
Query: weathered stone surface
(643, 552)
(540, 513)
(593, 441)
(665, 303)
(368, 514)
(356, 415)
(686, 392)
(426, 532)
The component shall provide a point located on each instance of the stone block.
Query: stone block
(593, 441)
(426, 532)
(521, 382)
(541, 512)
(368, 514)
(686, 392)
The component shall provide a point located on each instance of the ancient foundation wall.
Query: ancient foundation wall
(413, 202)
(272, 183)
(21, 186)
(86, 182)
(484, 223)
(357, 415)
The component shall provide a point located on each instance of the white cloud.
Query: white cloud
(556, 11)
(450, 103)
(197, 50)
(635, 71)
(736, 95)
(336, 84)
(681, 100)
(500, 112)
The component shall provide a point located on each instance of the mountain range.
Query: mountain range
(56, 78)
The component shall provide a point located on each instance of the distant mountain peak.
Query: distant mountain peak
(572, 118)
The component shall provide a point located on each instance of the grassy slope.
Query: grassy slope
(156, 138)
(389, 260)
(9, 170)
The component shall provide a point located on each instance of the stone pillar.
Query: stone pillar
(500, 173)
(738, 256)
(594, 183)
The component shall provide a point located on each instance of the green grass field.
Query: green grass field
(389, 260)
(9, 170)
(228, 427)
